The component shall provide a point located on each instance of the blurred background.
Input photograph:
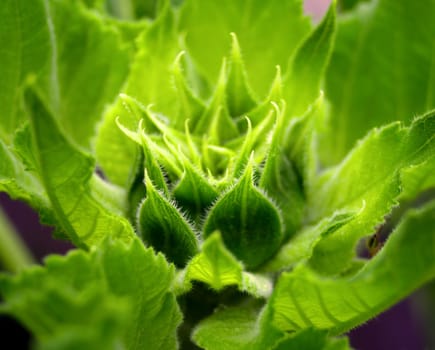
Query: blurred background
(406, 326)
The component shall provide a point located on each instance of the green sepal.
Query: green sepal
(303, 80)
(190, 107)
(216, 121)
(136, 186)
(162, 226)
(239, 95)
(194, 193)
(289, 164)
(152, 167)
(249, 222)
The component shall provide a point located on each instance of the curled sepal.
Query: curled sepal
(193, 192)
(249, 222)
(152, 166)
(239, 95)
(163, 227)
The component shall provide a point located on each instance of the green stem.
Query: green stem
(122, 9)
(14, 255)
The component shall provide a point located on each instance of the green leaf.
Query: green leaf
(145, 279)
(305, 75)
(268, 32)
(312, 339)
(303, 299)
(25, 48)
(371, 87)
(16, 181)
(38, 43)
(90, 75)
(66, 174)
(124, 291)
(417, 179)
(218, 268)
(249, 222)
(162, 226)
(369, 176)
(244, 327)
(300, 247)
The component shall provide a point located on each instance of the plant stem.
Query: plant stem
(14, 255)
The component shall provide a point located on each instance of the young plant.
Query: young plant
(217, 164)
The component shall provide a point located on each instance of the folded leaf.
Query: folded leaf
(65, 173)
(300, 247)
(303, 299)
(368, 176)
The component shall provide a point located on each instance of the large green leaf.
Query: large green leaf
(382, 70)
(91, 65)
(78, 80)
(303, 299)
(268, 32)
(25, 48)
(124, 291)
(369, 177)
(66, 173)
